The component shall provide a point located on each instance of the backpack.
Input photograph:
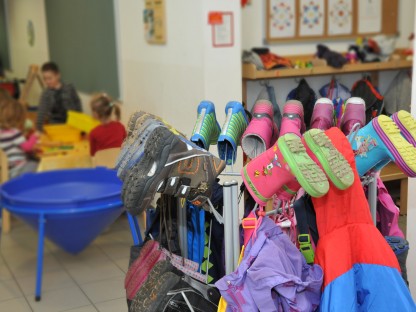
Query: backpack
(373, 99)
(304, 93)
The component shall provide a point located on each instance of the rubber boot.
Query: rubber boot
(234, 126)
(281, 164)
(207, 128)
(261, 132)
(293, 118)
(354, 113)
(323, 114)
(380, 141)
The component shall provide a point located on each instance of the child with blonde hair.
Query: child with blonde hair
(111, 133)
(12, 141)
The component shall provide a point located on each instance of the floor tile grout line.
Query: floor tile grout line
(69, 310)
(76, 283)
(15, 280)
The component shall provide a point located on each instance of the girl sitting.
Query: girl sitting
(111, 133)
(12, 141)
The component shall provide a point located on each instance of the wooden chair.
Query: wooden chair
(107, 158)
(4, 176)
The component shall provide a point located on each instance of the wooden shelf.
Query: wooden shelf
(251, 73)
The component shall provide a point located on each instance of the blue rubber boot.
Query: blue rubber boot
(378, 143)
(207, 128)
(234, 126)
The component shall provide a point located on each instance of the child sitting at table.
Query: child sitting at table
(111, 133)
(12, 141)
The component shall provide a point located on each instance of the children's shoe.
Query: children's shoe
(293, 118)
(407, 125)
(162, 153)
(234, 126)
(261, 132)
(323, 114)
(280, 165)
(354, 113)
(379, 141)
(207, 129)
(333, 162)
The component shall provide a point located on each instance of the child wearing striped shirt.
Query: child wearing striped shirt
(12, 141)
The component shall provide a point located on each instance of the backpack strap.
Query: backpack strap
(304, 238)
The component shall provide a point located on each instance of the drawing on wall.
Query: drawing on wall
(340, 17)
(154, 21)
(311, 18)
(30, 33)
(282, 18)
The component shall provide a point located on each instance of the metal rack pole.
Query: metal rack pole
(235, 223)
(372, 199)
(182, 227)
(228, 232)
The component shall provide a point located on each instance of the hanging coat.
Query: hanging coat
(361, 272)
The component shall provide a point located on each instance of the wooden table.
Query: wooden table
(391, 173)
(56, 156)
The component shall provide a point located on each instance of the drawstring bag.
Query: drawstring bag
(387, 213)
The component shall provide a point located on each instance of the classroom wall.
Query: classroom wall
(170, 80)
(253, 33)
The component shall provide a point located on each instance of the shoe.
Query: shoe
(354, 113)
(293, 118)
(261, 132)
(407, 125)
(136, 150)
(280, 165)
(400, 247)
(131, 125)
(323, 114)
(164, 152)
(207, 128)
(333, 162)
(234, 126)
(379, 141)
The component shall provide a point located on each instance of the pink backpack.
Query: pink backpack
(387, 212)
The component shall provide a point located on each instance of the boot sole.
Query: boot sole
(306, 171)
(407, 125)
(403, 152)
(142, 187)
(334, 163)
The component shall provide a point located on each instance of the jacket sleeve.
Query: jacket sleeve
(43, 110)
(75, 101)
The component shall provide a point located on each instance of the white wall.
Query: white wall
(253, 33)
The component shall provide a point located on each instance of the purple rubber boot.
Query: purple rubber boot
(323, 114)
(354, 113)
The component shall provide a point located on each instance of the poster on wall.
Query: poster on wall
(282, 18)
(155, 21)
(311, 18)
(340, 17)
(369, 16)
(223, 30)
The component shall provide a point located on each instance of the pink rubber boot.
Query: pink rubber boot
(354, 113)
(261, 132)
(323, 114)
(293, 120)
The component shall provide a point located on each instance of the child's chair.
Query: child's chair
(107, 158)
(4, 176)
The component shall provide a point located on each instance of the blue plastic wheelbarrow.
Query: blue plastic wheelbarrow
(70, 207)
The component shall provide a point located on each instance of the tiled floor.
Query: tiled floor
(90, 281)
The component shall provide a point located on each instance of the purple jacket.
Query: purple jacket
(273, 276)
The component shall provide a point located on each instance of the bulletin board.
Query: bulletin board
(311, 20)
